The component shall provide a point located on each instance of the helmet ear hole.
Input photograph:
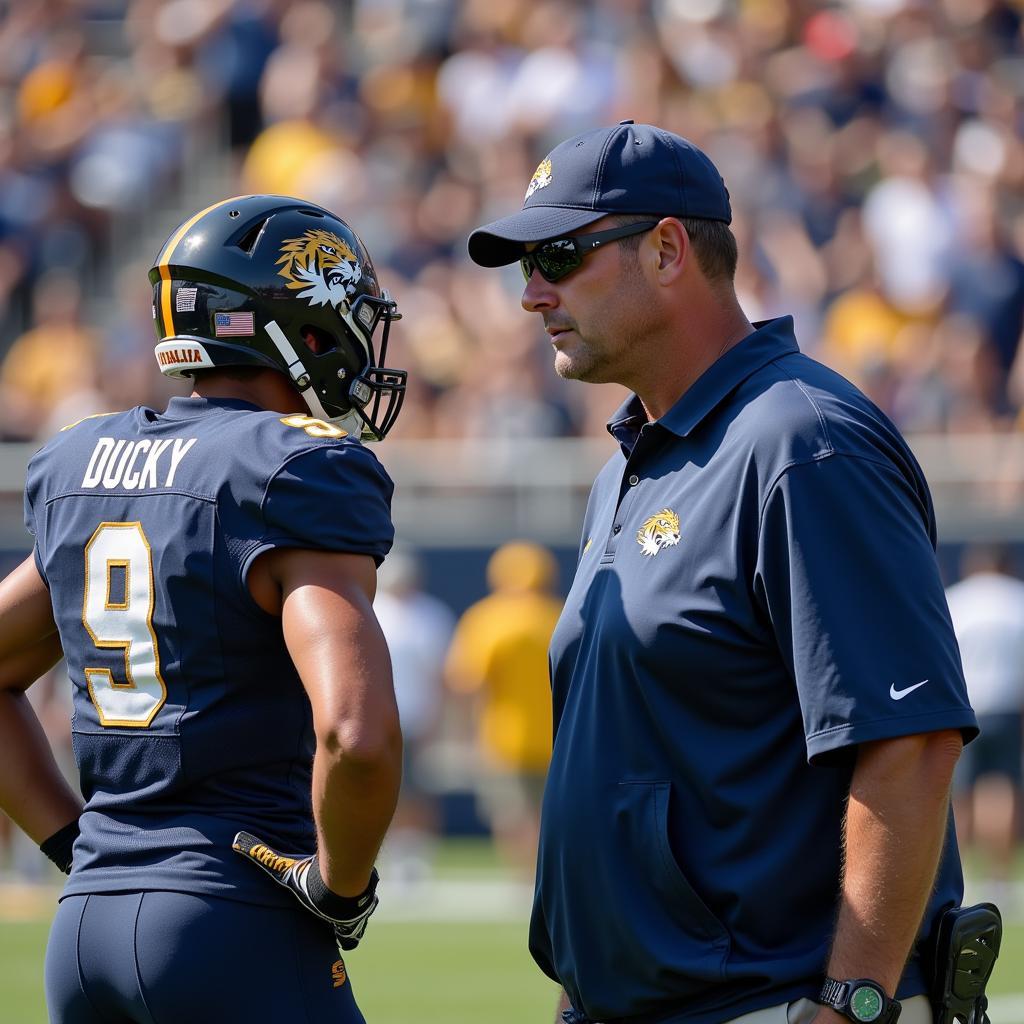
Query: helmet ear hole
(317, 340)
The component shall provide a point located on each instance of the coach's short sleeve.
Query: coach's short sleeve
(847, 575)
(333, 497)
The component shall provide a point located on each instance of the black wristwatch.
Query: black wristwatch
(860, 999)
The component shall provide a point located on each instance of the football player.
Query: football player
(208, 573)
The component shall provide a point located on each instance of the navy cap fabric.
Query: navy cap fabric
(629, 168)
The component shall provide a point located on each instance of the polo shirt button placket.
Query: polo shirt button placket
(621, 513)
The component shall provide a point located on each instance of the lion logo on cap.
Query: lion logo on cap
(541, 178)
(659, 531)
(323, 265)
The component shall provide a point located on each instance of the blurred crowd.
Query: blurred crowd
(873, 149)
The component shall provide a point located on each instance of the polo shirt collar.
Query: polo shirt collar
(770, 340)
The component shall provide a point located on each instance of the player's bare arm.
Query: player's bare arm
(32, 790)
(326, 606)
(895, 825)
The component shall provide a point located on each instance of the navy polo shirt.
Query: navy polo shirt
(757, 593)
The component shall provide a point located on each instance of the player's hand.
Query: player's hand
(346, 914)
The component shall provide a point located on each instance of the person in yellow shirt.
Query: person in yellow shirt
(51, 363)
(499, 655)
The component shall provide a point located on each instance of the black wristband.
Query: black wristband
(58, 846)
(343, 908)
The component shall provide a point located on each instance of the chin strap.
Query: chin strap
(351, 422)
(296, 370)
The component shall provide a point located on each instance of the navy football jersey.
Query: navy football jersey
(190, 721)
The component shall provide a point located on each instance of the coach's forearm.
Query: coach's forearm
(32, 789)
(895, 827)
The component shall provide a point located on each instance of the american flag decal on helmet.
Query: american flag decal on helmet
(226, 325)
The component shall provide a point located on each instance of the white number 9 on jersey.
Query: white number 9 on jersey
(118, 613)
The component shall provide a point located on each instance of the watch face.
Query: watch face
(866, 1003)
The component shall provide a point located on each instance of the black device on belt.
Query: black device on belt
(965, 954)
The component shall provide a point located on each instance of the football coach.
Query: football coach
(758, 698)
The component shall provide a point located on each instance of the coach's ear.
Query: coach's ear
(670, 246)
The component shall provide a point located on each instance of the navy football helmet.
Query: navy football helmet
(269, 281)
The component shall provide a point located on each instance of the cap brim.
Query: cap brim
(501, 241)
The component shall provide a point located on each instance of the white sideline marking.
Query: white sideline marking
(431, 899)
(439, 900)
(455, 900)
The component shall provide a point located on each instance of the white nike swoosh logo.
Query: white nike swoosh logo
(900, 694)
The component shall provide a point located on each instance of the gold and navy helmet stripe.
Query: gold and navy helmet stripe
(164, 260)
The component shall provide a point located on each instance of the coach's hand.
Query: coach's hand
(346, 914)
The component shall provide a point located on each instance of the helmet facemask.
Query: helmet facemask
(364, 401)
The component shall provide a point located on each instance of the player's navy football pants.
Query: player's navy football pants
(168, 957)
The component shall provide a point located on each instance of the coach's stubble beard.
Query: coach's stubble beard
(608, 353)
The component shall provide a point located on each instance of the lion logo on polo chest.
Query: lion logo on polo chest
(659, 531)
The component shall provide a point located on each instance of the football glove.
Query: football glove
(347, 915)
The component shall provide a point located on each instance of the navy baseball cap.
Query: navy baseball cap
(630, 168)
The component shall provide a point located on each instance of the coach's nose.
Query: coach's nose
(539, 295)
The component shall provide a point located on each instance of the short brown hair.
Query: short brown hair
(713, 243)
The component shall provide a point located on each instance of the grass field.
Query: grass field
(455, 970)
(464, 973)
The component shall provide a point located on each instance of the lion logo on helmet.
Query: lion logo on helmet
(322, 265)
(659, 531)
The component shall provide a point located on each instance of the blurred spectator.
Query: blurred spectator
(52, 365)
(987, 276)
(863, 326)
(908, 227)
(127, 361)
(232, 58)
(499, 658)
(987, 608)
(418, 628)
(52, 102)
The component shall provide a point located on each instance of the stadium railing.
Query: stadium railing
(478, 493)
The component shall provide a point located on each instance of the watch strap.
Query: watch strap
(833, 993)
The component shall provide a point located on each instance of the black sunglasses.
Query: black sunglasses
(561, 256)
